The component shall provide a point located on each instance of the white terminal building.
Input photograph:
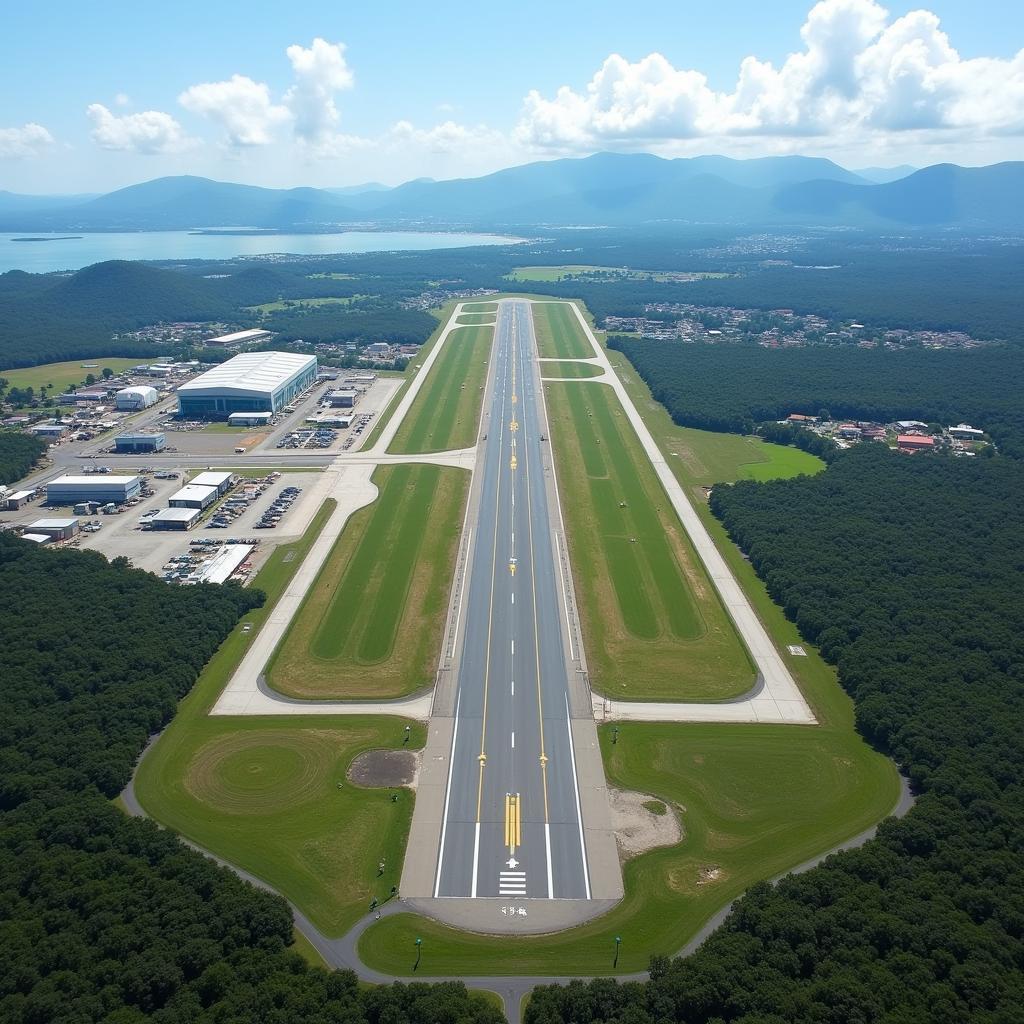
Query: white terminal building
(249, 382)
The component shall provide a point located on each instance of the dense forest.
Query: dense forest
(907, 574)
(733, 387)
(106, 917)
(362, 321)
(18, 454)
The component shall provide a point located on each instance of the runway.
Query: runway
(512, 823)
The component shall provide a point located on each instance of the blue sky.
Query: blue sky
(93, 97)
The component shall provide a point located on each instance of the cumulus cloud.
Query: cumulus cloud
(320, 71)
(242, 107)
(29, 140)
(858, 73)
(149, 132)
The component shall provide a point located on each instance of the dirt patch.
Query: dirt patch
(708, 874)
(637, 828)
(384, 768)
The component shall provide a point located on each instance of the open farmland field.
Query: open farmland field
(754, 801)
(653, 626)
(558, 333)
(446, 412)
(64, 375)
(569, 368)
(371, 624)
(331, 300)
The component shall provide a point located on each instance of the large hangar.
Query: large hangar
(249, 382)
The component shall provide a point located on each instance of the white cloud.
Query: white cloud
(241, 106)
(122, 99)
(320, 72)
(149, 132)
(29, 140)
(859, 75)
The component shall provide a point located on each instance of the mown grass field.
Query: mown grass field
(653, 626)
(558, 332)
(371, 624)
(480, 307)
(568, 368)
(262, 792)
(446, 412)
(476, 319)
(755, 799)
(64, 375)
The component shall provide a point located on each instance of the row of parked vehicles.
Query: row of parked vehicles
(278, 508)
(309, 437)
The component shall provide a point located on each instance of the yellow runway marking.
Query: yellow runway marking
(513, 822)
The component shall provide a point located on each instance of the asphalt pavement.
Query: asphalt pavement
(512, 823)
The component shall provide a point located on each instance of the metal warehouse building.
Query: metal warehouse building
(55, 529)
(70, 490)
(214, 478)
(250, 382)
(175, 519)
(139, 442)
(129, 399)
(193, 496)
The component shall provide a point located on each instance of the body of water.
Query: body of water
(42, 253)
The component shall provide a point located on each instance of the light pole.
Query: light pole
(419, 952)
(618, 942)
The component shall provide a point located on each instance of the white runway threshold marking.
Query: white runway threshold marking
(511, 883)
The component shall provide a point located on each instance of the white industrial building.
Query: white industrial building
(222, 566)
(249, 382)
(175, 519)
(214, 478)
(55, 529)
(238, 338)
(101, 487)
(250, 419)
(193, 496)
(137, 397)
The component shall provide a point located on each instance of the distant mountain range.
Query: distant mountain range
(604, 189)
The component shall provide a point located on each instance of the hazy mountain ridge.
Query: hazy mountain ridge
(606, 188)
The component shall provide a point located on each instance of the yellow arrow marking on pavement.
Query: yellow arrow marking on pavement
(512, 566)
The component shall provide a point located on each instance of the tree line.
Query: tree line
(108, 918)
(906, 572)
(18, 454)
(733, 388)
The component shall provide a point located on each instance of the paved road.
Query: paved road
(512, 824)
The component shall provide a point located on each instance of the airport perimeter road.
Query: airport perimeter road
(512, 823)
